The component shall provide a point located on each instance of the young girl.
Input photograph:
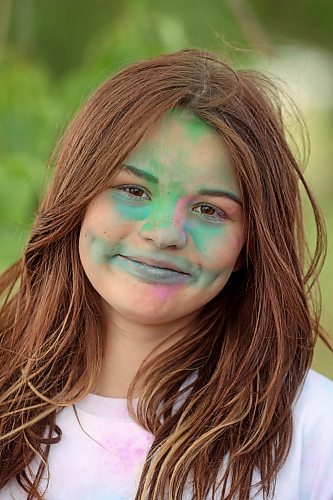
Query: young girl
(157, 335)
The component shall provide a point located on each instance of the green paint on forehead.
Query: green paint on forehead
(194, 125)
(179, 125)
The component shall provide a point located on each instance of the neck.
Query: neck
(128, 343)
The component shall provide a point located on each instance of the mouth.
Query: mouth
(156, 263)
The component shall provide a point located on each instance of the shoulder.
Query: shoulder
(317, 382)
(313, 406)
(307, 471)
(315, 395)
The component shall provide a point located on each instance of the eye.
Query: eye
(135, 192)
(209, 212)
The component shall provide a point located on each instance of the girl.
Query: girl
(157, 335)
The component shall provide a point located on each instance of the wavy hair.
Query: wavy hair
(252, 344)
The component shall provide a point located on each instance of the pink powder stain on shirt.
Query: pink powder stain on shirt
(123, 454)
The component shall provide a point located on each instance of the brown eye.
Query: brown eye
(134, 191)
(207, 210)
(210, 213)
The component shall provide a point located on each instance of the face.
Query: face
(163, 240)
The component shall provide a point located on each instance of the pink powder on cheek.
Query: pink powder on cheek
(179, 215)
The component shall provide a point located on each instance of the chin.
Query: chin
(147, 305)
(145, 316)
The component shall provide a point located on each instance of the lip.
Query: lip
(156, 262)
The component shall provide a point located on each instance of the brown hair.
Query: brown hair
(253, 343)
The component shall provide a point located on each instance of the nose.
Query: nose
(164, 231)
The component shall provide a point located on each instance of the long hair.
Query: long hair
(252, 344)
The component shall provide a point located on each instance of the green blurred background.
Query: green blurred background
(54, 53)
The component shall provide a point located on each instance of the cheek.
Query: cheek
(127, 211)
(102, 232)
(209, 240)
(109, 221)
(223, 253)
(218, 247)
(218, 262)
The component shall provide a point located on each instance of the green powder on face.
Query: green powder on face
(129, 209)
(102, 250)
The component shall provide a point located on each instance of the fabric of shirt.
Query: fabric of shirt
(102, 458)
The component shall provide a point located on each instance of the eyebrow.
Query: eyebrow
(140, 173)
(205, 191)
(220, 193)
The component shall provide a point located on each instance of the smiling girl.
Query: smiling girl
(157, 335)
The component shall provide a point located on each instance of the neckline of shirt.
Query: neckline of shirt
(105, 407)
(115, 408)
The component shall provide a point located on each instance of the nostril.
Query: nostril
(164, 232)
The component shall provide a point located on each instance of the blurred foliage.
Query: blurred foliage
(53, 54)
(304, 20)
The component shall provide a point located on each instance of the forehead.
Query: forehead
(185, 149)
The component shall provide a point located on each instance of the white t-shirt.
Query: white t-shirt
(104, 462)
